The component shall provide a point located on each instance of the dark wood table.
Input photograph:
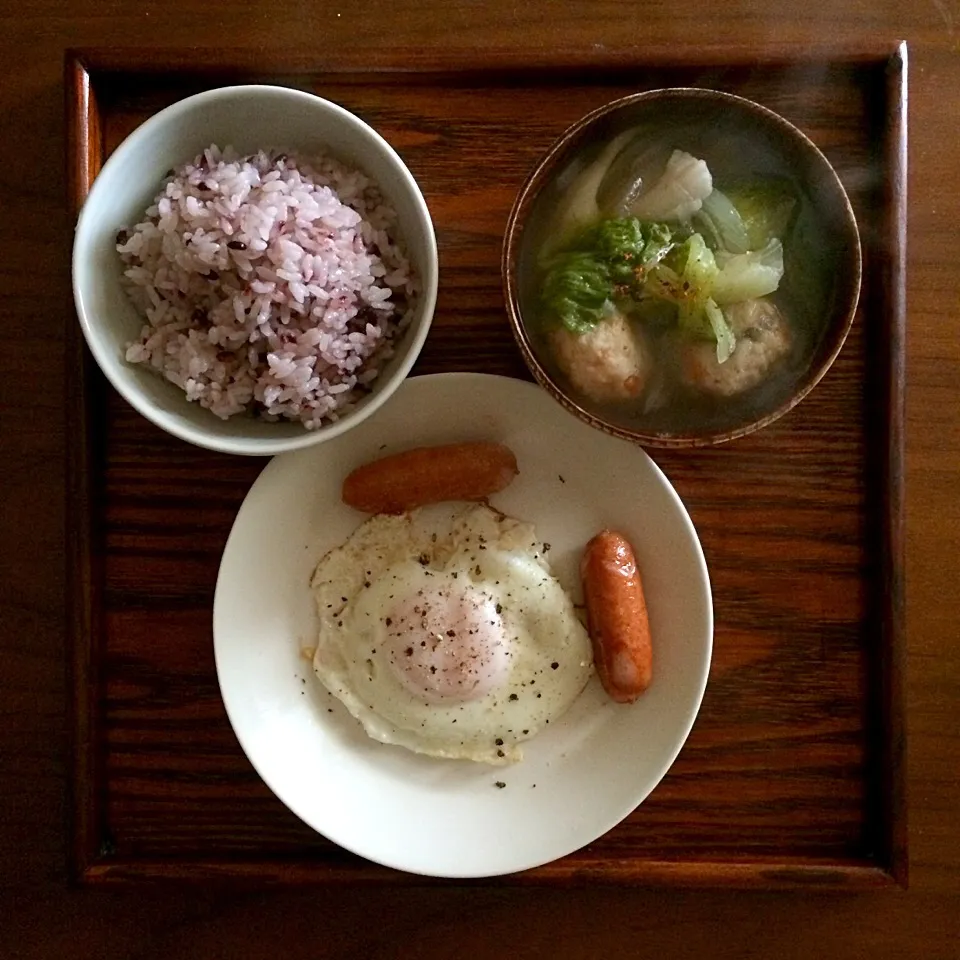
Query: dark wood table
(42, 914)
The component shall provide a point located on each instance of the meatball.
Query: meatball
(608, 364)
(763, 338)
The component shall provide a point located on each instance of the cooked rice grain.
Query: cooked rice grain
(269, 286)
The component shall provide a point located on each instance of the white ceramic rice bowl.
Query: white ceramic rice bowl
(249, 118)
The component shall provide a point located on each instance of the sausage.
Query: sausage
(404, 481)
(617, 616)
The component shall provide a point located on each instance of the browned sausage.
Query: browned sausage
(404, 481)
(617, 616)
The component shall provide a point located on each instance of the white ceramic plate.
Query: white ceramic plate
(443, 817)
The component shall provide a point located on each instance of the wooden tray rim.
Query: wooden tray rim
(90, 850)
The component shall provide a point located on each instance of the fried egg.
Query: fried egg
(448, 634)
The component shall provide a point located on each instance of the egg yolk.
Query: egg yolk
(448, 645)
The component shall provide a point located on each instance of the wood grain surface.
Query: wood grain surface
(41, 916)
(789, 765)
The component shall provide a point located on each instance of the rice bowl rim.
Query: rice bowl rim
(413, 337)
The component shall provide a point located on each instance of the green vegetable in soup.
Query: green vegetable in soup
(698, 314)
(766, 209)
(686, 279)
(747, 276)
(626, 245)
(614, 240)
(726, 341)
(720, 220)
(605, 263)
(699, 270)
(577, 290)
(660, 241)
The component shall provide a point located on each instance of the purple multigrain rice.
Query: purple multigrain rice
(269, 286)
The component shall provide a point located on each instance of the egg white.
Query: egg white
(390, 559)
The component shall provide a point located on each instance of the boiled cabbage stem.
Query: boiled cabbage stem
(747, 276)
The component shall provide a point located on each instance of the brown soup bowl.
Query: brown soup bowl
(818, 293)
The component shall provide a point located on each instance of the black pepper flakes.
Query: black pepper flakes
(433, 669)
(388, 621)
(451, 633)
(236, 245)
(423, 559)
(499, 608)
(561, 478)
(499, 784)
(513, 696)
(500, 753)
(499, 741)
(554, 665)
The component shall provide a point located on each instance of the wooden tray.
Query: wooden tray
(794, 772)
